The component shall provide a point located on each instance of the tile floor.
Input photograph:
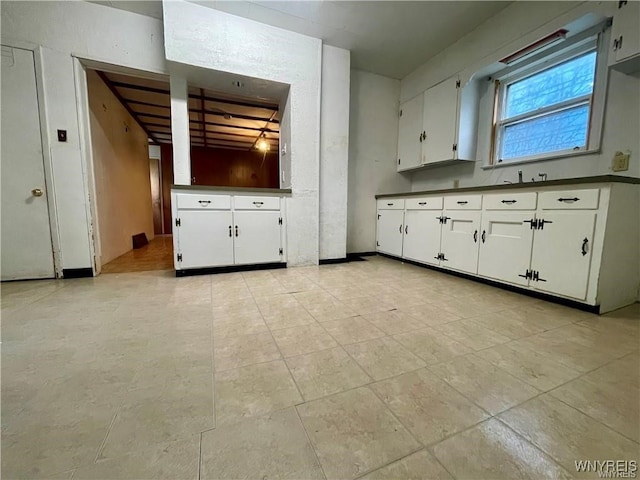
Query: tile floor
(369, 369)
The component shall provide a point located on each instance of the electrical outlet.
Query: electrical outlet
(620, 162)
(456, 183)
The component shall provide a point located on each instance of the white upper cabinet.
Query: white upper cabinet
(438, 126)
(410, 134)
(625, 37)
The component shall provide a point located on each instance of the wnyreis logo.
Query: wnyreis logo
(609, 468)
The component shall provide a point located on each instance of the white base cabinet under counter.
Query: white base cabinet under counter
(212, 230)
(578, 244)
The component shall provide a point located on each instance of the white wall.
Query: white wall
(334, 151)
(223, 42)
(513, 28)
(57, 31)
(121, 168)
(373, 142)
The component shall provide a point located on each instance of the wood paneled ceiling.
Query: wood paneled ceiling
(215, 119)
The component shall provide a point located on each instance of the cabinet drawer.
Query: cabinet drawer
(427, 203)
(200, 202)
(570, 199)
(256, 203)
(463, 202)
(510, 201)
(391, 204)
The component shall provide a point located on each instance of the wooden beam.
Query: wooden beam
(114, 90)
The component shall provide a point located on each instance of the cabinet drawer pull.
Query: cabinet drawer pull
(585, 243)
(422, 203)
(462, 202)
(229, 230)
(406, 229)
(236, 230)
(484, 236)
(571, 200)
(390, 204)
(204, 202)
(509, 202)
(475, 236)
(400, 229)
(258, 204)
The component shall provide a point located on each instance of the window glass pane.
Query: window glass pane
(562, 82)
(563, 130)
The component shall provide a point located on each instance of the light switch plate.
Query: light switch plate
(620, 162)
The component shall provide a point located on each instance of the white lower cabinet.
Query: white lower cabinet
(390, 231)
(224, 230)
(257, 237)
(422, 236)
(204, 238)
(505, 249)
(561, 256)
(459, 240)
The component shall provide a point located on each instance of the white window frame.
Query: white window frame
(593, 39)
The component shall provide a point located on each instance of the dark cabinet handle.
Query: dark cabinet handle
(236, 230)
(204, 202)
(462, 202)
(406, 229)
(390, 204)
(585, 243)
(536, 277)
(420, 138)
(258, 204)
(475, 236)
(509, 202)
(574, 199)
(621, 3)
(400, 228)
(229, 230)
(484, 236)
(422, 203)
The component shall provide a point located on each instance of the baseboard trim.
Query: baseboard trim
(512, 288)
(331, 261)
(229, 269)
(362, 254)
(68, 273)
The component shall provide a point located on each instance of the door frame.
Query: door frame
(46, 153)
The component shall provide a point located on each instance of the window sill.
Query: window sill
(555, 156)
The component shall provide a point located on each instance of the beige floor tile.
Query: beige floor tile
(568, 435)
(417, 466)
(610, 394)
(178, 459)
(529, 366)
(485, 384)
(328, 310)
(429, 314)
(283, 311)
(326, 372)
(303, 339)
(432, 345)
(365, 305)
(240, 324)
(354, 433)
(254, 390)
(271, 446)
(493, 451)
(473, 305)
(508, 324)
(472, 334)
(234, 352)
(351, 330)
(383, 357)
(394, 321)
(427, 406)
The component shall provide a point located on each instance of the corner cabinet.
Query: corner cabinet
(438, 126)
(213, 230)
(625, 37)
(578, 244)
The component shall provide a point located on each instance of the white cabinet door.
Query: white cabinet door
(390, 231)
(626, 34)
(505, 248)
(460, 237)
(257, 237)
(422, 236)
(409, 134)
(440, 116)
(562, 253)
(204, 239)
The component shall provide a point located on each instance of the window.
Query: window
(545, 106)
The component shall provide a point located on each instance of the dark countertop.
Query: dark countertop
(511, 186)
(207, 188)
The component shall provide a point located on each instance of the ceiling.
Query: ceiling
(215, 119)
(390, 38)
